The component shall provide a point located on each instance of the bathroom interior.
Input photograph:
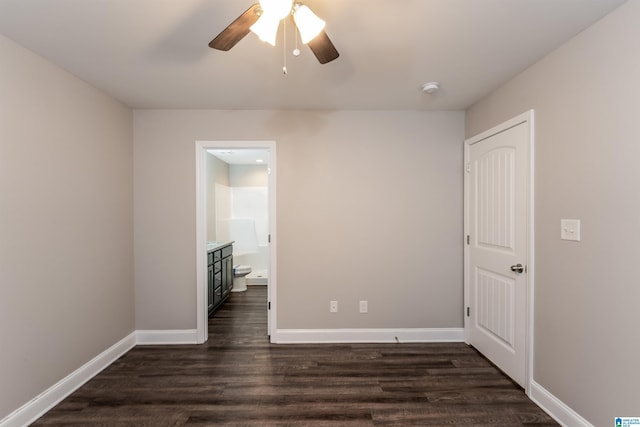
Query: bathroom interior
(238, 209)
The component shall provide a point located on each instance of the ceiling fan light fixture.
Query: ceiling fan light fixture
(277, 8)
(266, 28)
(261, 19)
(307, 22)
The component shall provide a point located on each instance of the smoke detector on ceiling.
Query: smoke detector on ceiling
(430, 87)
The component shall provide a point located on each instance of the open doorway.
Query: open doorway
(235, 193)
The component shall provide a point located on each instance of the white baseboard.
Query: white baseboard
(556, 408)
(180, 336)
(311, 336)
(42, 403)
(36, 407)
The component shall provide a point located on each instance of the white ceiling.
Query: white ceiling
(154, 53)
(242, 156)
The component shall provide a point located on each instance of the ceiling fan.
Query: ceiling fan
(264, 18)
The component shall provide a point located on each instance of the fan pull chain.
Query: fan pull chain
(296, 51)
(284, 46)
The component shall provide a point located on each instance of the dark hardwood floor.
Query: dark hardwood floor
(239, 379)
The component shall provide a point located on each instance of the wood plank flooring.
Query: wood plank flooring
(239, 379)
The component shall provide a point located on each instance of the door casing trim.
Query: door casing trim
(201, 227)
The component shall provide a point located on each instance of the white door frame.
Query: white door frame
(201, 229)
(527, 119)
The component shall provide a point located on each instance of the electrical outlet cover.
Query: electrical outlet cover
(364, 307)
(333, 306)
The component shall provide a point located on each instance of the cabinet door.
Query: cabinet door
(230, 272)
(210, 288)
(225, 279)
(217, 288)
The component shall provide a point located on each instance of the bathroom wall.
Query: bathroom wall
(369, 206)
(585, 96)
(250, 197)
(242, 213)
(248, 176)
(217, 173)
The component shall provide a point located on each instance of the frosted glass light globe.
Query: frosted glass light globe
(277, 8)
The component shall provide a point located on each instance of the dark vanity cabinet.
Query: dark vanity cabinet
(219, 276)
(227, 270)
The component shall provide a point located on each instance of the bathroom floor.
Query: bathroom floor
(239, 379)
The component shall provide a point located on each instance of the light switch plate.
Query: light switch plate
(570, 229)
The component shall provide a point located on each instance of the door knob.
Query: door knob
(518, 268)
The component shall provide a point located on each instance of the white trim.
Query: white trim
(202, 324)
(312, 336)
(520, 118)
(272, 274)
(531, 270)
(555, 407)
(201, 229)
(39, 405)
(36, 407)
(527, 118)
(167, 337)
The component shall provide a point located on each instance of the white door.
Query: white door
(497, 191)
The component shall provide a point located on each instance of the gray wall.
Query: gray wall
(66, 223)
(585, 97)
(217, 173)
(369, 206)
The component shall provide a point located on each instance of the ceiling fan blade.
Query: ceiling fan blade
(236, 30)
(323, 49)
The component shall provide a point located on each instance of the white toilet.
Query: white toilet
(240, 277)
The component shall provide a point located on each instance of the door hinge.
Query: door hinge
(269, 238)
(269, 305)
(468, 239)
(468, 167)
(468, 311)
